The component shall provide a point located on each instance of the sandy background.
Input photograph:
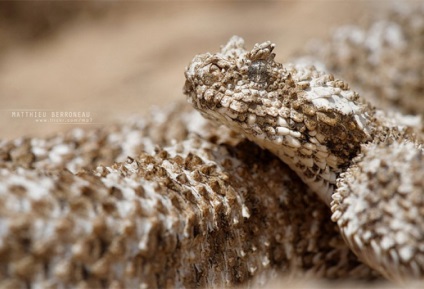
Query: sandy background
(113, 59)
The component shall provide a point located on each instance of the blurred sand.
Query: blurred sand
(133, 58)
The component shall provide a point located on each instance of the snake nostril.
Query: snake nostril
(213, 68)
(213, 75)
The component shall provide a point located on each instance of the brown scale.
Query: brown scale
(226, 176)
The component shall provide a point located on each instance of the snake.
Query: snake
(172, 200)
(366, 164)
(77, 211)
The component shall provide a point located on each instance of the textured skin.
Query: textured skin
(312, 121)
(198, 213)
(379, 207)
(317, 125)
(383, 60)
(302, 241)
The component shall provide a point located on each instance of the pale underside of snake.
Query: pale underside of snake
(364, 163)
(198, 206)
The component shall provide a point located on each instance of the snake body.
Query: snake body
(196, 205)
(182, 213)
(318, 125)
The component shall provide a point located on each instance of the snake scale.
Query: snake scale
(365, 163)
(175, 201)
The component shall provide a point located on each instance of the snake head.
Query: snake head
(311, 120)
(234, 80)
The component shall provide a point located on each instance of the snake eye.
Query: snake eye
(258, 71)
